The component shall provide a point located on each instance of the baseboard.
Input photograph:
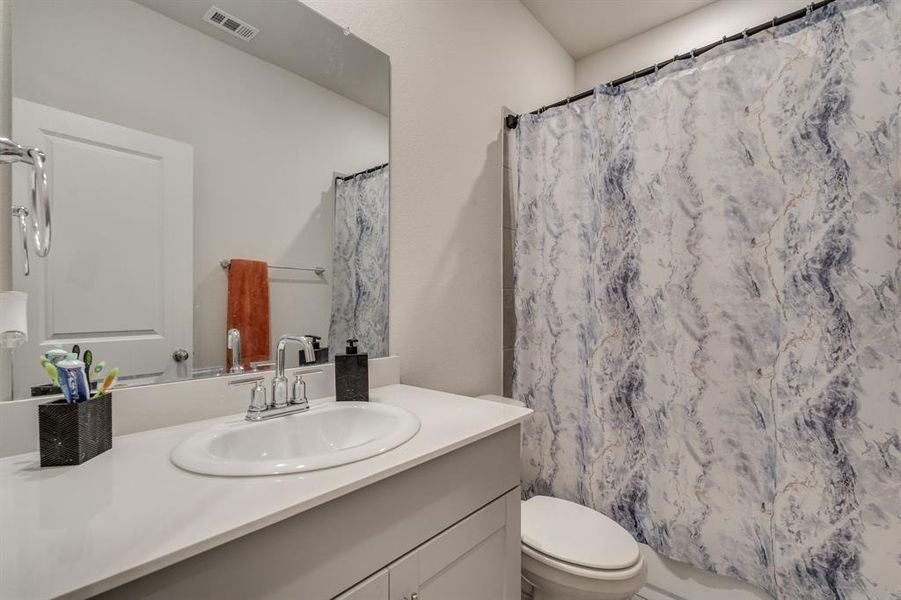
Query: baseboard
(650, 593)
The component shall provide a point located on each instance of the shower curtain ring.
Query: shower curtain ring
(744, 34)
(693, 53)
(774, 22)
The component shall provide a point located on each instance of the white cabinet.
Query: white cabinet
(373, 588)
(447, 529)
(467, 560)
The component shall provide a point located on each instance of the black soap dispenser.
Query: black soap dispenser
(352, 375)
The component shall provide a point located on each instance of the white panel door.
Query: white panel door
(119, 277)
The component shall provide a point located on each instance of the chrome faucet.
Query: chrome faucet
(233, 342)
(280, 396)
(283, 402)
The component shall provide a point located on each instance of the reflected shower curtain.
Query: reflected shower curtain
(708, 271)
(360, 280)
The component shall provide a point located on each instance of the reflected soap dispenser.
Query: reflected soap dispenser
(352, 375)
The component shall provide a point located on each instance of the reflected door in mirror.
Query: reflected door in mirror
(120, 277)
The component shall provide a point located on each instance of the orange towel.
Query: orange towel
(248, 308)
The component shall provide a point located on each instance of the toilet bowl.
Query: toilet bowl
(571, 552)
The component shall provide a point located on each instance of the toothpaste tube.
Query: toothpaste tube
(55, 355)
(72, 380)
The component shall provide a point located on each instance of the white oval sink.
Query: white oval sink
(325, 436)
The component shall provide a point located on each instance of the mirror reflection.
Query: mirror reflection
(218, 175)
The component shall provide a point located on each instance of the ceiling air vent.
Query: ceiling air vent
(233, 25)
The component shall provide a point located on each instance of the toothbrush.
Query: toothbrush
(88, 361)
(51, 371)
(108, 382)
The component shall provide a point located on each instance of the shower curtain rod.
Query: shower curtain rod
(346, 177)
(511, 121)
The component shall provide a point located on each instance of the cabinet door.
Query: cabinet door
(374, 588)
(466, 561)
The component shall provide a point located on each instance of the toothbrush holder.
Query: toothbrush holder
(74, 433)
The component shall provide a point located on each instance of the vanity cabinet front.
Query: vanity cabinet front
(447, 529)
(465, 561)
(373, 588)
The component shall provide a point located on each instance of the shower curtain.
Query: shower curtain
(360, 275)
(708, 274)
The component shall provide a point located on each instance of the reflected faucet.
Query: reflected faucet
(233, 342)
(280, 396)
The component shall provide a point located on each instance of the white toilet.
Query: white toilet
(571, 552)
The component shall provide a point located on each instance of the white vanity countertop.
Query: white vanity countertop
(78, 531)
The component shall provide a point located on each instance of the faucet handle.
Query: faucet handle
(299, 390)
(258, 402)
(258, 398)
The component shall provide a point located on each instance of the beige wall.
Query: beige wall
(5, 130)
(5, 180)
(454, 65)
(693, 30)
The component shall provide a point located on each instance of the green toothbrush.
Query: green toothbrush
(88, 360)
(51, 371)
(98, 368)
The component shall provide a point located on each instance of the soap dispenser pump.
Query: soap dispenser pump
(352, 375)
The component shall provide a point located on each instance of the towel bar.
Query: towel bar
(225, 263)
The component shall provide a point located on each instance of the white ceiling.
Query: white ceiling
(298, 39)
(585, 26)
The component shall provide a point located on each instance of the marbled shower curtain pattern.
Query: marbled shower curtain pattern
(360, 276)
(708, 297)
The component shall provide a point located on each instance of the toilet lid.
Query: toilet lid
(576, 534)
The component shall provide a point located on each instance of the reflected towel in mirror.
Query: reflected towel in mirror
(248, 308)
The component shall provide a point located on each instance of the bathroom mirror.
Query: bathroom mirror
(186, 143)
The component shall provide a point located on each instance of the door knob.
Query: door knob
(180, 355)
